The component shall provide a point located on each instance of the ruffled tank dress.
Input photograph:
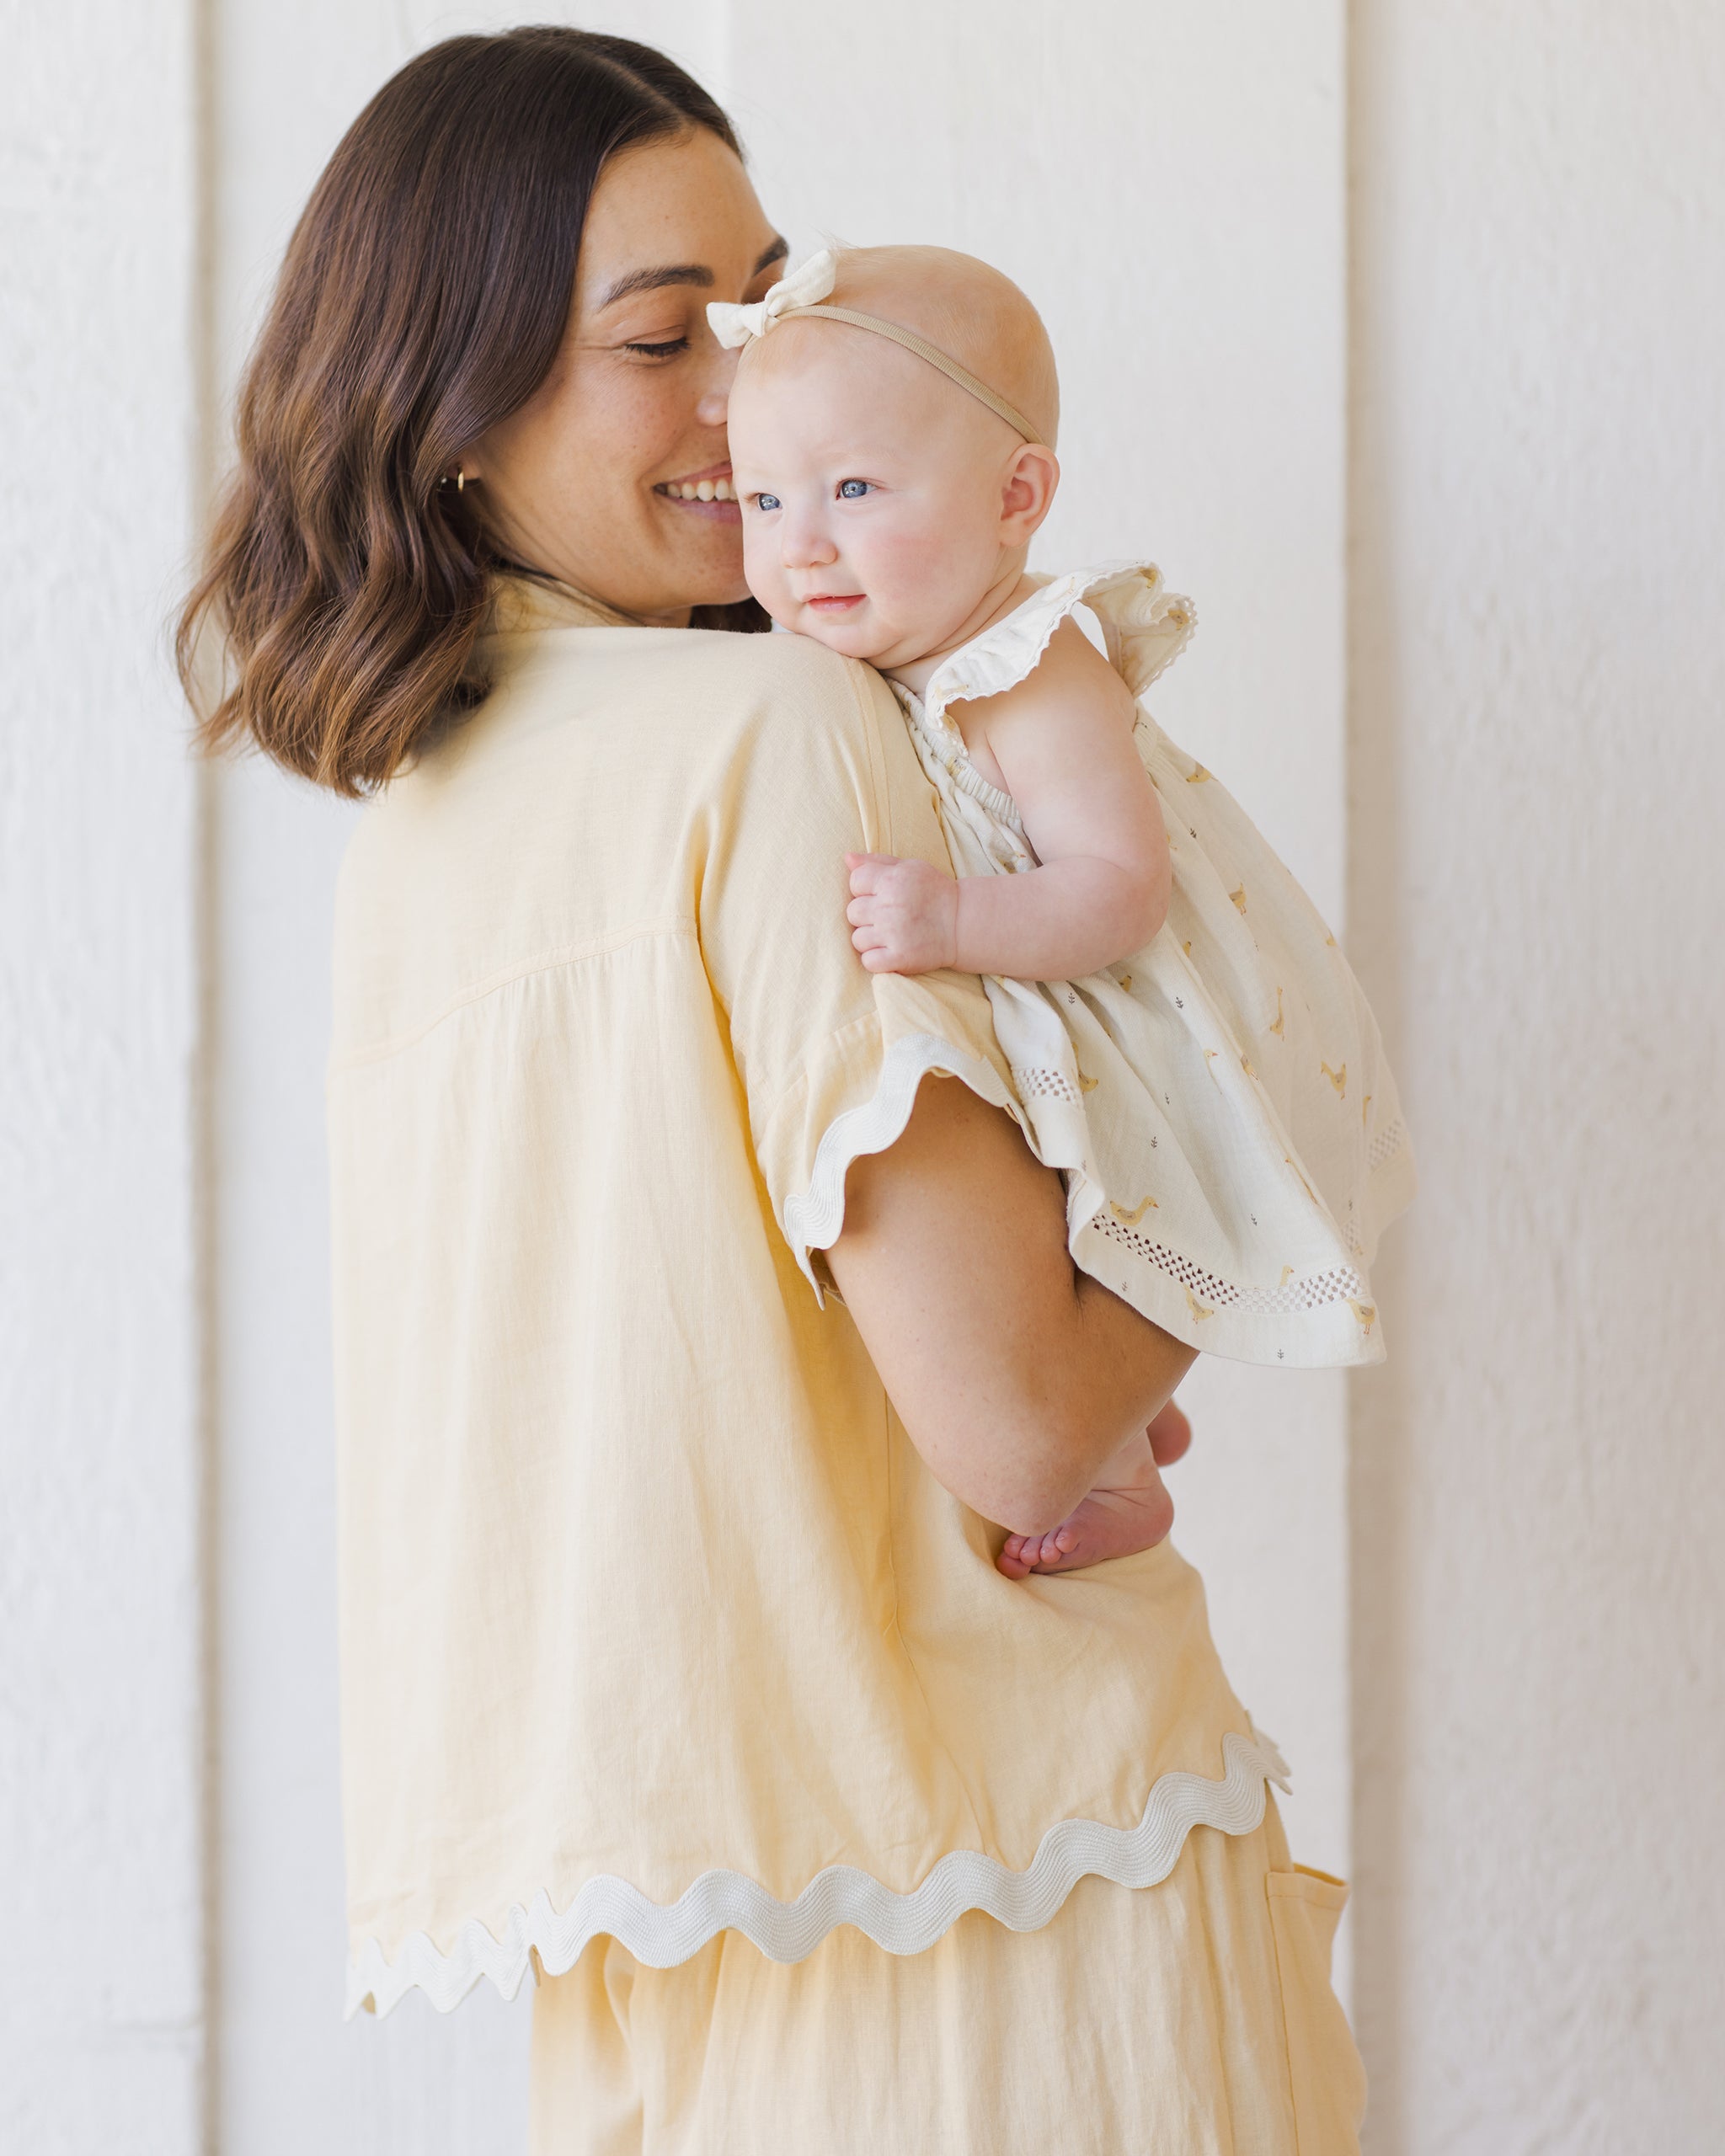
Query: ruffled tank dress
(1219, 1102)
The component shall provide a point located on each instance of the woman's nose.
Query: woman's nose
(710, 405)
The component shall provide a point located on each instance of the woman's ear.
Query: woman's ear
(1029, 493)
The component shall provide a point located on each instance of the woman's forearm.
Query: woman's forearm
(1015, 1375)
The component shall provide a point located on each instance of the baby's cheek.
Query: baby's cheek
(762, 570)
(927, 579)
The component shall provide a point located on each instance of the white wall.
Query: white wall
(1539, 780)
(101, 1973)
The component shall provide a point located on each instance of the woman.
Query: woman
(676, 1666)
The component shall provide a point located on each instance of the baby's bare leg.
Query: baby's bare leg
(1129, 1510)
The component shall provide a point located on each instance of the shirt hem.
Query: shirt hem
(661, 1935)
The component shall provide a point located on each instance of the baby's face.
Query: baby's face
(872, 491)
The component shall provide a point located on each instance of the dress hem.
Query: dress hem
(1325, 1318)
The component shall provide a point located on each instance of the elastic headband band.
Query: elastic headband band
(800, 293)
(924, 350)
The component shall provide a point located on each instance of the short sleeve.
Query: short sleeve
(829, 1055)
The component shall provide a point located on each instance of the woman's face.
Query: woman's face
(585, 481)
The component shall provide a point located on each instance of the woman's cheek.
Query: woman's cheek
(649, 416)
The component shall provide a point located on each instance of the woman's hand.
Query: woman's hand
(904, 915)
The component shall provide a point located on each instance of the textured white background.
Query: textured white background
(1488, 725)
(1537, 784)
(102, 2023)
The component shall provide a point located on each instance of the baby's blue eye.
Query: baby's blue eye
(767, 501)
(853, 490)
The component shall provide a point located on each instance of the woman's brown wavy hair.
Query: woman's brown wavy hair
(424, 297)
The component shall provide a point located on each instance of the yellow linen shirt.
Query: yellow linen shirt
(650, 1613)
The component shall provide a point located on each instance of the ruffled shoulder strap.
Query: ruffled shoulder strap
(1145, 628)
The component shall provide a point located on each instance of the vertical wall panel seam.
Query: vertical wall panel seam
(1376, 1618)
(205, 364)
(1363, 1975)
(1342, 300)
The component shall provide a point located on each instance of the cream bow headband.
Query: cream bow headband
(800, 294)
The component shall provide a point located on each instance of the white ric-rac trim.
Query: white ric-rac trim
(661, 1935)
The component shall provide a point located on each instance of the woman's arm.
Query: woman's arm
(1015, 1375)
(1060, 744)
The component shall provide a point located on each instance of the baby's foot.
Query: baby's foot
(1129, 1510)
(1170, 1436)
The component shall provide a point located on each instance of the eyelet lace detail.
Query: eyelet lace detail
(662, 1934)
(1316, 1292)
(1041, 1084)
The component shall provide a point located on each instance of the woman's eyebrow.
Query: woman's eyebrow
(649, 280)
(681, 273)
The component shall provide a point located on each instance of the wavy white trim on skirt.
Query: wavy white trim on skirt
(814, 1217)
(661, 1935)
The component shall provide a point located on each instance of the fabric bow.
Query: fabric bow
(733, 325)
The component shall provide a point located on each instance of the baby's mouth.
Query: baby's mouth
(831, 602)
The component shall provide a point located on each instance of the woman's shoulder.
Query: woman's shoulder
(773, 672)
(577, 665)
(579, 716)
(688, 701)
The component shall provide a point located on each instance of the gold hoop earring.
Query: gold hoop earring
(461, 479)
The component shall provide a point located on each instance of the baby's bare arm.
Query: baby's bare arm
(1060, 744)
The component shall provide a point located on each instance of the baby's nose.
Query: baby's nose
(805, 543)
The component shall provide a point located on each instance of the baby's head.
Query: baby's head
(882, 503)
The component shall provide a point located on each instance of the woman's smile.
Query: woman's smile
(708, 494)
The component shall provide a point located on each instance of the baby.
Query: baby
(1186, 1040)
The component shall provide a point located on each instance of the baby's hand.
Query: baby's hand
(904, 915)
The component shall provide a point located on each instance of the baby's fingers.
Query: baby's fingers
(868, 871)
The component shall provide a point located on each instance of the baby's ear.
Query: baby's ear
(1029, 493)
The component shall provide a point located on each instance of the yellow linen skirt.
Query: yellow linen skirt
(1194, 2018)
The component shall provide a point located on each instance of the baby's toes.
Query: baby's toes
(1014, 1560)
(1072, 1552)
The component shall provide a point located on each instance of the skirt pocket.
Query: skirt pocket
(1323, 2065)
